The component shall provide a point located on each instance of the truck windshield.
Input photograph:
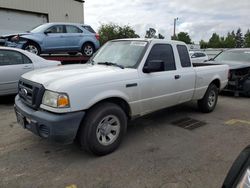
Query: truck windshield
(124, 53)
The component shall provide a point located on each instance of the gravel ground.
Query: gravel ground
(155, 153)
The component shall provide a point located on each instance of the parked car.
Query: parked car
(55, 38)
(125, 79)
(198, 57)
(239, 63)
(15, 62)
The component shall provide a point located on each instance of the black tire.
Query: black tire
(88, 49)
(32, 47)
(207, 104)
(88, 133)
(73, 53)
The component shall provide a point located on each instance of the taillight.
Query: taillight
(97, 36)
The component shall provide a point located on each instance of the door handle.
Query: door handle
(177, 77)
(27, 67)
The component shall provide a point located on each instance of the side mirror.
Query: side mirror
(153, 66)
(239, 174)
(47, 32)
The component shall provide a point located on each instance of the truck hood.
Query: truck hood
(60, 77)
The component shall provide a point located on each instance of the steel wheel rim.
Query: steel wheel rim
(88, 50)
(32, 49)
(211, 99)
(108, 130)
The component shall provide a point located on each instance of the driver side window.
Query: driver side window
(164, 53)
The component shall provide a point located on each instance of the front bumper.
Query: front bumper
(56, 127)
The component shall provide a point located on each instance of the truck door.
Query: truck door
(159, 89)
(186, 82)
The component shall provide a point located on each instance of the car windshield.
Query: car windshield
(123, 53)
(235, 56)
(39, 28)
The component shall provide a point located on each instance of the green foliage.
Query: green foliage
(184, 37)
(214, 41)
(203, 44)
(247, 39)
(113, 31)
(239, 39)
(232, 40)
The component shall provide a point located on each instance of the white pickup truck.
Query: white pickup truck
(125, 79)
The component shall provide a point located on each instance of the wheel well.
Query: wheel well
(120, 102)
(31, 41)
(216, 82)
(89, 42)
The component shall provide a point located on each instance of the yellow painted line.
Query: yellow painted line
(236, 121)
(71, 186)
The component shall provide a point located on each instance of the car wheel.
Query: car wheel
(32, 47)
(103, 129)
(88, 50)
(209, 101)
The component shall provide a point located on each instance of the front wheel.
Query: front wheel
(32, 47)
(209, 101)
(103, 129)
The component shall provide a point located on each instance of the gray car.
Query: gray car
(15, 62)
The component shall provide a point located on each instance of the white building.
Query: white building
(23, 15)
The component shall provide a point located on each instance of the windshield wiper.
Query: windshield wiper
(110, 64)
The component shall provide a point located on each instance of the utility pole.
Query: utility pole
(175, 20)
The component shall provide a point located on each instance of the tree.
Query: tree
(113, 31)
(214, 41)
(239, 39)
(150, 33)
(184, 37)
(203, 44)
(247, 39)
(230, 41)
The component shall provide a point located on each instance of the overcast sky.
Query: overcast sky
(197, 17)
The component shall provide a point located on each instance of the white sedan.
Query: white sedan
(198, 57)
(15, 62)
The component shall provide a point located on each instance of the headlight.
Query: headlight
(56, 100)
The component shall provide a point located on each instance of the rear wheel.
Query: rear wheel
(32, 47)
(103, 129)
(88, 49)
(209, 101)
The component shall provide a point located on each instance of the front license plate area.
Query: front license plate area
(20, 119)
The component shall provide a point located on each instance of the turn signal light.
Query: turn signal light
(62, 101)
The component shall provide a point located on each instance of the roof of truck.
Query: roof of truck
(153, 40)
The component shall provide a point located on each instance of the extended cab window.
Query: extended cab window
(184, 56)
(163, 52)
